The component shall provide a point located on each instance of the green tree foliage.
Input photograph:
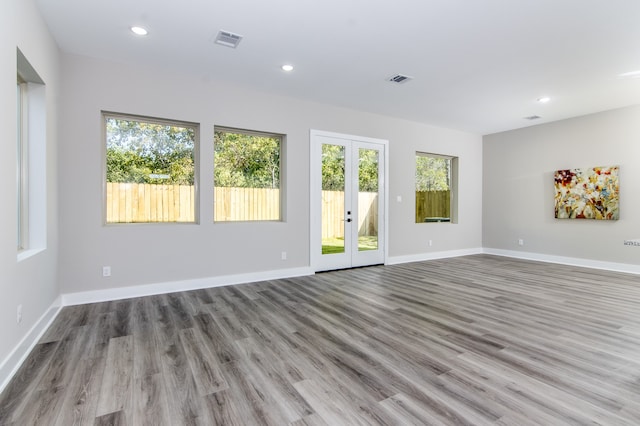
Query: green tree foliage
(332, 167)
(140, 152)
(333, 173)
(432, 173)
(368, 170)
(246, 160)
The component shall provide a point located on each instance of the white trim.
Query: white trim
(387, 196)
(118, 293)
(19, 354)
(572, 261)
(314, 132)
(569, 261)
(394, 260)
(314, 184)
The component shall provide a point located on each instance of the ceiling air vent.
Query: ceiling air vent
(228, 39)
(532, 117)
(399, 78)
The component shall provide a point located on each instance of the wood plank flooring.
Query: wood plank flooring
(475, 340)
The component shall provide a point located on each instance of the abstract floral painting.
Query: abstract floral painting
(591, 193)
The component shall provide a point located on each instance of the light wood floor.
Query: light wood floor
(477, 340)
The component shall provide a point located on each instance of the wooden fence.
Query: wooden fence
(432, 204)
(246, 204)
(333, 213)
(141, 203)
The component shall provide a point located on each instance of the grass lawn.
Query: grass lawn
(336, 245)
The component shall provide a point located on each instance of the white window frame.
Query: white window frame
(31, 161)
(22, 167)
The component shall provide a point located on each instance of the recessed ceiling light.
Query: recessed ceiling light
(287, 67)
(139, 31)
(631, 74)
(544, 99)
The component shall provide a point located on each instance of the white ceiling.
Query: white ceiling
(478, 65)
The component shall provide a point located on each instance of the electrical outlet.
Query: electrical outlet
(284, 255)
(19, 314)
(520, 242)
(106, 271)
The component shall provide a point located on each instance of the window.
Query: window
(436, 177)
(31, 160)
(246, 175)
(22, 164)
(150, 170)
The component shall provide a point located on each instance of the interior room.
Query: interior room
(515, 302)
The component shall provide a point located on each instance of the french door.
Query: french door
(348, 201)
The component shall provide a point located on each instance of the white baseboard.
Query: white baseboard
(19, 354)
(84, 297)
(573, 261)
(394, 260)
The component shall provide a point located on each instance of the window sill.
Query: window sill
(26, 254)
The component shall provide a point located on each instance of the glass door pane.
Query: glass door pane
(347, 202)
(333, 199)
(368, 199)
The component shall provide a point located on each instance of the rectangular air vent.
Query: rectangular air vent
(228, 39)
(399, 78)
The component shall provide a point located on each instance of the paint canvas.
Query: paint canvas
(589, 193)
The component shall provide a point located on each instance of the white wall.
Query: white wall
(519, 193)
(31, 282)
(149, 254)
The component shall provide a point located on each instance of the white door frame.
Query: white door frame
(315, 182)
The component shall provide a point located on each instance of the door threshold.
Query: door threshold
(349, 268)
